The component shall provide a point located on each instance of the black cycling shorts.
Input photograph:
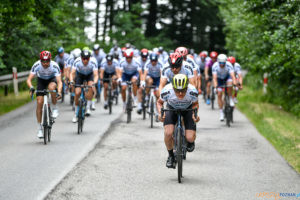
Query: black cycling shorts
(171, 118)
(80, 78)
(42, 84)
(107, 76)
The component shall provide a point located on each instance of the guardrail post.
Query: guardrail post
(15, 81)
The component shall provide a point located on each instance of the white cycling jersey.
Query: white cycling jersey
(192, 63)
(186, 69)
(222, 73)
(110, 68)
(99, 57)
(45, 73)
(62, 61)
(168, 95)
(85, 69)
(153, 71)
(142, 63)
(237, 68)
(130, 68)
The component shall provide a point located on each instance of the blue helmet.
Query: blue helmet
(60, 50)
(153, 57)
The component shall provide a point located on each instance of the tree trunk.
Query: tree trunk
(97, 20)
(105, 20)
(151, 19)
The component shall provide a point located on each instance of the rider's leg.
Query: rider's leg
(39, 107)
(168, 130)
(105, 91)
(208, 83)
(149, 82)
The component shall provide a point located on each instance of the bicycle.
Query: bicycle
(179, 139)
(144, 103)
(47, 119)
(203, 87)
(81, 106)
(212, 98)
(228, 110)
(129, 102)
(152, 105)
(110, 94)
(98, 90)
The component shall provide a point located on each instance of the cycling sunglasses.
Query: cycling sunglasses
(45, 61)
(180, 90)
(175, 66)
(86, 58)
(222, 63)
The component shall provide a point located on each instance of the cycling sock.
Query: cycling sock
(39, 126)
(208, 96)
(171, 153)
(89, 102)
(221, 110)
(190, 143)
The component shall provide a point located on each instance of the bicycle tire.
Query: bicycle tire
(45, 124)
(144, 104)
(151, 110)
(110, 100)
(50, 127)
(129, 107)
(212, 100)
(179, 154)
(79, 127)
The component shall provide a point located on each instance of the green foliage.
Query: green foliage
(265, 37)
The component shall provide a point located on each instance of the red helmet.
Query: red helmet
(144, 52)
(45, 55)
(231, 59)
(182, 50)
(175, 60)
(203, 54)
(213, 54)
(128, 53)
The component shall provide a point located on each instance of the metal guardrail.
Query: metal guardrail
(8, 79)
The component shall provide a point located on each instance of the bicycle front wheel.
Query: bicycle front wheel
(179, 154)
(151, 110)
(45, 124)
(80, 119)
(110, 100)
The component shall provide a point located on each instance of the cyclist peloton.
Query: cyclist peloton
(238, 76)
(179, 95)
(223, 74)
(48, 76)
(208, 73)
(84, 69)
(175, 66)
(129, 70)
(108, 70)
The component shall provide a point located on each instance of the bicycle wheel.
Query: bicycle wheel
(179, 154)
(227, 114)
(45, 124)
(151, 110)
(212, 99)
(50, 126)
(129, 107)
(79, 123)
(144, 103)
(110, 100)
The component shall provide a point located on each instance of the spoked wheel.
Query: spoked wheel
(110, 101)
(50, 127)
(151, 110)
(227, 115)
(129, 108)
(45, 125)
(179, 155)
(212, 99)
(80, 119)
(144, 104)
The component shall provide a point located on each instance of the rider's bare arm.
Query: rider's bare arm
(163, 82)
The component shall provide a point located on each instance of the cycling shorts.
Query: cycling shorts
(128, 77)
(156, 81)
(223, 82)
(107, 76)
(42, 84)
(80, 78)
(171, 118)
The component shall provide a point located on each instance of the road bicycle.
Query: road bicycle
(212, 98)
(47, 119)
(129, 102)
(179, 139)
(81, 108)
(110, 94)
(151, 105)
(228, 110)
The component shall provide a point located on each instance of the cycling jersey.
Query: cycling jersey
(99, 57)
(110, 69)
(116, 51)
(85, 69)
(209, 64)
(142, 63)
(61, 61)
(185, 69)
(192, 63)
(201, 64)
(45, 73)
(70, 61)
(168, 95)
(153, 71)
(222, 73)
(237, 68)
(130, 68)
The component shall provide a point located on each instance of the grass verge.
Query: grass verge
(281, 128)
(11, 102)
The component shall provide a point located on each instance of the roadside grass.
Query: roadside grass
(11, 102)
(281, 128)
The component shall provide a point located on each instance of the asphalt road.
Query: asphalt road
(28, 168)
(228, 163)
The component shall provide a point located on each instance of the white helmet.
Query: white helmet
(76, 53)
(222, 58)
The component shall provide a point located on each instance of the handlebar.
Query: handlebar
(179, 111)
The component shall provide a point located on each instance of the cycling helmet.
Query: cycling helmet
(213, 54)
(153, 57)
(203, 54)
(45, 55)
(109, 57)
(116, 55)
(231, 59)
(182, 50)
(60, 50)
(76, 53)
(128, 53)
(96, 47)
(222, 58)
(192, 51)
(175, 60)
(155, 50)
(180, 82)
(160, 49)
(85, 54)
(85, 49)
(127, 45)
(144, 52)
(190, 56)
